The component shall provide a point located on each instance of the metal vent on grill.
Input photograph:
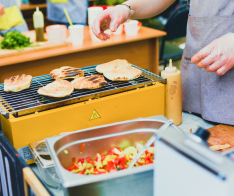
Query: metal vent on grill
(29, 101)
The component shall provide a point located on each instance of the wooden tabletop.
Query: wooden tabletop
(29, 6)
(144, 33)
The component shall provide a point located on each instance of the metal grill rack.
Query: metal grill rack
(29, 101)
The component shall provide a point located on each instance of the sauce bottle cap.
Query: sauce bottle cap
(170, 68)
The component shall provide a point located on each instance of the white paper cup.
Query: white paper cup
(93, 13)
(131, 28)
(77, 34)
(119, 31)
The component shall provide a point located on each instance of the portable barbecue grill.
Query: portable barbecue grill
(27, 113)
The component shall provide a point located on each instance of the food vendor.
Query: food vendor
(208, 58)
(11, 18)
(77, 10)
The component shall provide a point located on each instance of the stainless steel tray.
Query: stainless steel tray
(137, 181)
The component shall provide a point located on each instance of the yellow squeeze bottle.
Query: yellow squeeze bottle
(173, 103)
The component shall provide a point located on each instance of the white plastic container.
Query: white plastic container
(119, 31)
(44, 164)
(93, 13)
(56, 33)
(131, 28)
(77, 34)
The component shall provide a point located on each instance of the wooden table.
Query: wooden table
(141, 50)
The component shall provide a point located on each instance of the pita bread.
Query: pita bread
(17, 83)
(58, 88)
(66, 72)
(112, 65)
(123, 74)
(220, 147)
(90, 82)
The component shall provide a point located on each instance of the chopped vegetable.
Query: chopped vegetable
(15, 40)
(82, 147)
(65, 152)
(114, 160)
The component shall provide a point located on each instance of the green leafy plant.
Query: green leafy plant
(15, 40)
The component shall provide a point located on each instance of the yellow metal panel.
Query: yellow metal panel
(133, 104)
(6, 128)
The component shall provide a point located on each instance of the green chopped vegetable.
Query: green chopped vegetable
(15, 40)
(142, 142)
(87, 172)
(76, 170)
(124, 144)
(65, 152)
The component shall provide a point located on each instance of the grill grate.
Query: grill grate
(29, 101)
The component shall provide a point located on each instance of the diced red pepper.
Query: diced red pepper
(72, 167)
(82, 147)
(110, 153)
(81, 160)
(116, 161)
(89, 160)
(123, 161)
(110, 166)
(103, 157)
(73, 159)
(96, 159)
(148, 159)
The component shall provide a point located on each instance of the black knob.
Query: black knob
(202, 133)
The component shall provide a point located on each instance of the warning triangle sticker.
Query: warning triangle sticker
(94, 115)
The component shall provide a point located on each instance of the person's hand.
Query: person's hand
(218, 56)
(2, 11)
(110, 18)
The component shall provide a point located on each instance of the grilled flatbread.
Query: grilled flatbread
(58, 88)
(123, 74)
(90, 82)
(220, 147)
(66, 72)
(17, 83)
(112, 65)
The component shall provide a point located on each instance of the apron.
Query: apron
(12, 19)
(77, 10)
(207, 93)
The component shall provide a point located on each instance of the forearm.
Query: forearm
(148, 8)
